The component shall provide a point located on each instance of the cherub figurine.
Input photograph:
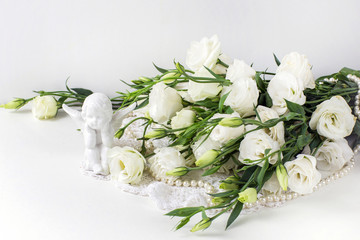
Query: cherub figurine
(97, 122)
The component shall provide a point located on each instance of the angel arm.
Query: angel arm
(74, 114)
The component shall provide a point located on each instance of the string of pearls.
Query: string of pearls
(281, 198)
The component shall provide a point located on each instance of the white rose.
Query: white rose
(201, 91)
(285, 86)
(201, 146)
(164, 102)
(333, 119)
(303, 175)
(253, 147)
(44, 107)
(243, 96)
(183, 119)
(203, 53)
(223, 134)
(238, 70)
(278, 131)
(126, 164)
(220, 69)
(333, 155)
(164, 160)
(272, 186)
(299, 66)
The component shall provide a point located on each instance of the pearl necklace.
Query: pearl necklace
(280, 198)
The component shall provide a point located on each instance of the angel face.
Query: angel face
(96, 119)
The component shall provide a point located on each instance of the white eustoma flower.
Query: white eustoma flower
(298, 65)
(220, 69)
(164, 160)
(253, 147)
(333, 118)
(333, 155)
(223, 134)
(243, 96)
(201, 91)
(283, 86)
(183, 119)
(203, 53)
(126, 164)
(44, 107)
(238, 70)
(303, 175)
(278, 131)
(164, 102)
(272, 186)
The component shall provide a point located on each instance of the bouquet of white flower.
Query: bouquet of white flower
(271, 131)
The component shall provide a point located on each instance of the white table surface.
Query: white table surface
(43, 195)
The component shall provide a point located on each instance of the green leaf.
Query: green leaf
(182, 223)
(143, 104)
(356, 129)
(315, 142)
(268, 99)
(346, 71)
(162, 70)
(303, 140)
(260, 176)
(225, 194)
(294, 107)
(260, 83)
(222, 101)
(276, 60)
(82, 91)
(248, 173)
(234, 214)
(184, 212)
(211, 171)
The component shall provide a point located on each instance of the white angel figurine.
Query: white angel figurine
(98, 124)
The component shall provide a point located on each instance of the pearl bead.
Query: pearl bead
(269, 198)
(289, 196)
(276, 198)
(170, 182)
(250, 205)
(336, 175)
(157, 178)
(283, 197)
(295, 195)
(315, 188)
(201, 183)
(186, 184)
(262, 200)
(193, 183)
(163, 180)
(327, 180)
(178, 183)
(332, 177)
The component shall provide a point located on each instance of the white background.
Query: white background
(97, 43)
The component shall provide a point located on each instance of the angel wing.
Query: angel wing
(75, 115)
(119, 116)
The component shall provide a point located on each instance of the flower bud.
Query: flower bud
(231, 122)
(220, 200)
(177, 172)
(44, 107)
(207, 158)
(228, 184)
(145, 79)
(119, 133)
(202, 225)
(282, 176)
(14, 104)
(157, 133)
(173, 76)
(248, 196)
